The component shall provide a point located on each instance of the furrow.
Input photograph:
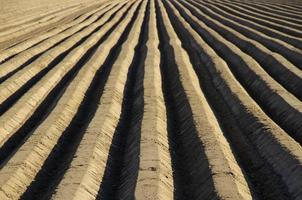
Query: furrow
(286, 8)
(21, 81)
(294, 41)
(63, 13)
(262, 180)
(275, 64)
(275, 45)
(273, 144)
(151, 99)
(36, 29)
(214, 167)
(268, 12)
(14, 50)
(37, 149)
(33, 18)
(189, 162)
(253, 13)
(155, 178)
(276, 101)
(93, 151)
(268, 23)
(22, 35)
(27, 57)
(13, 16)
(18, 115)
(122, 166)
(60, 158)
(278, 12)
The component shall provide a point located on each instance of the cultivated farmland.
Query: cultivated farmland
(150, 99)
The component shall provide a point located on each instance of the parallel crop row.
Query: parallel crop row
(153, 99)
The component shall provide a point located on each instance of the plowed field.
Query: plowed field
(150, 99)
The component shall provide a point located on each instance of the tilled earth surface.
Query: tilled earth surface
(150, 99)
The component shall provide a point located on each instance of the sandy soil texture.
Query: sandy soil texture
(150, 100)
